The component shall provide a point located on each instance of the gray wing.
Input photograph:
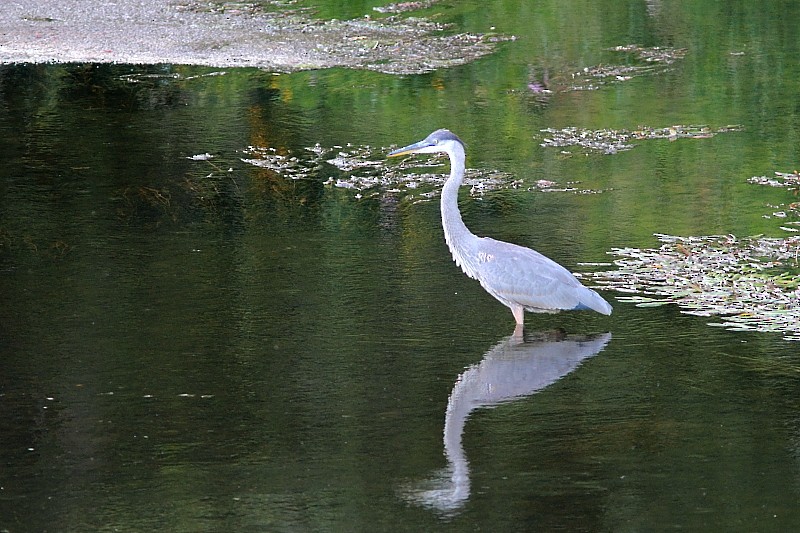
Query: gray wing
(517, 275)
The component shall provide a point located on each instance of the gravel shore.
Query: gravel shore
(223, 35)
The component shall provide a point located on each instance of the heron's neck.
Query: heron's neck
(455, 231)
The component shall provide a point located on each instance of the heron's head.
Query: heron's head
(438, 141)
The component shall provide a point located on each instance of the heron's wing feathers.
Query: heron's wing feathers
(517, 275)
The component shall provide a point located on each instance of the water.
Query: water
(205, 345)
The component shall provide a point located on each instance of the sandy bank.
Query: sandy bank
(224, 35)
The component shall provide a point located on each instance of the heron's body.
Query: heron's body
(520, 278)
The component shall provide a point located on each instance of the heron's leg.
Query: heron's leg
(519, 314)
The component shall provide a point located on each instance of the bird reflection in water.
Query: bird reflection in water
(517, 366)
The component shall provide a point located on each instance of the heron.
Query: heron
(520, 278)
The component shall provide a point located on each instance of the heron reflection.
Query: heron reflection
(516, 367)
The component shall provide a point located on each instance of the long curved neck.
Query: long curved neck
(456, 232)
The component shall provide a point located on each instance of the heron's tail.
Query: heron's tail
(591, 301)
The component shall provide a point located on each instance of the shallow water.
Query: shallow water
(205, 345)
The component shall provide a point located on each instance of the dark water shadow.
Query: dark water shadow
(517, 366)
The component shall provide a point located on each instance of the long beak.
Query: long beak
(410, 149)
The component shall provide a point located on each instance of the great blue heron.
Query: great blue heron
(520, 278)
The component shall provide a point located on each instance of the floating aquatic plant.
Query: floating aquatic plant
(643, 62)
(610, 141)
(570, 186)
(753, 283)
(374, 177)
(363, 169)
(656, 54)
(790, 180)
(283, 163)
(653, 60)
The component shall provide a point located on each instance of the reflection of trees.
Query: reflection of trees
(114, 140)
(516, 367)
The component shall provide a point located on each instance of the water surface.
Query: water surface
(204, 345)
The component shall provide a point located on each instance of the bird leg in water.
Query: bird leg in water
(519, 314)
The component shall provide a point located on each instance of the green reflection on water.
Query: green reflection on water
(190, 348)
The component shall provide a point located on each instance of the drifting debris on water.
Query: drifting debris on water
(644, 62)
(655, 54)
(571, 186)
(200, 157)
(402, 7)
(363, 169)
(754, 283)
(592, 78)
(656, 61)
(141, 77)
(393, 44)
(612, 141)
(791, 180)
(286, 165)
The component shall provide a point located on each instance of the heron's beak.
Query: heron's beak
(410, 149)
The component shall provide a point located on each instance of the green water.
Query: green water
(209, 346)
